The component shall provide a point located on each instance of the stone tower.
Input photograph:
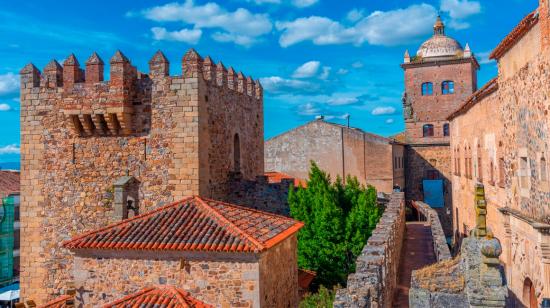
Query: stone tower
(90, 146)
(438, 80)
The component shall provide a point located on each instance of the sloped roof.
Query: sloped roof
(490, 87)
(158, 297)
(9, 182)
(277, 177)
(192, 224)
(59, 302)
(515, 35)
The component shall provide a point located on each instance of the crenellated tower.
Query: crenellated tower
(94, 151)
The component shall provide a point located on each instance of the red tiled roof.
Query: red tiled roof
(59, 302)
(486, 90)
(513, 37)
(277, 177)
(9, 182)
(158, 297)
(193, 224)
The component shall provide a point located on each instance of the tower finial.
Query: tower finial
(439, 26)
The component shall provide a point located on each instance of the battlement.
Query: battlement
(95, 106)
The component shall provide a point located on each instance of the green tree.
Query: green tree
(322, 299)
(339, 218)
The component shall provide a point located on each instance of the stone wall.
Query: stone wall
(376, 275)
(510, 157)
(221, 280)
(441, 248)
(79, 133)
(336, 149)
(421, 160)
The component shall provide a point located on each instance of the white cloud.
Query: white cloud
(277, 84)
(355, 14)
(307, 70)
(308, 109)
(265, 1)
(460, 9)
(342, 101)
(240, 26)
(383, 111)
(342, 71)
(303, 3)
(389, 121)
(5, 107)
(357, 64)
(379, 28)
(483, 57)
(191, 36)
(10, 149)
(325, 73)
(9, 83)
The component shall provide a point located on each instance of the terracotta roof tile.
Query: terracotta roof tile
(158, 297)
(486, 90)
(277, 177)
(305, 277)
(192, 224)
(513, 37)
(9, 182)
(59, 302)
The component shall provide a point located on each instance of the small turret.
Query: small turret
(53, 74)
(231, 79)
(467, 51)
(30, 76)
(407, 57)
(241, 87)
(208, 69)
(159, 66)
(259, 90)
(71, 72)
(250, 86)
(191, 64)
(94, 69)
(122, 71)
(221, 74)
(439, 27)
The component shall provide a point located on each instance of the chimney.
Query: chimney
(407, 57)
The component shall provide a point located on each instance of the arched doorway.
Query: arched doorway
(529, 297)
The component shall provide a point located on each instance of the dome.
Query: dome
(439, 45)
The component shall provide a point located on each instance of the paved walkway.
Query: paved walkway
(417, 253)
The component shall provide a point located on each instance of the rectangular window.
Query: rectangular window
(523, 172)
(501, 178)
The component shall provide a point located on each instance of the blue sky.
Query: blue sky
(313, 56)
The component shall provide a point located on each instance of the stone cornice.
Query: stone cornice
(539, 226)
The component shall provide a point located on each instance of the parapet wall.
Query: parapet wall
(375, 279)
(441, 248)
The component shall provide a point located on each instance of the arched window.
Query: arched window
(447, 87)
(428, 130)
(236, 153)
(543, 170)
(479, 163)
(446, 129)
(427, 88)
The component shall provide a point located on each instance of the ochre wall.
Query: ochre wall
(511, 123)
(222, 280)
(367, 157)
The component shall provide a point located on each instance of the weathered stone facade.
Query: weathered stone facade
(340, 151)
(219, 279)
(509, 155)
(437, 81)
(176, 135)
(375, 279)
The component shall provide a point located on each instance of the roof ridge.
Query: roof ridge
(170, 291)
(55, 301)
(125, 221)
(227, 221)
(250, 209)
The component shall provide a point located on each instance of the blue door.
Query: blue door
(433, 193)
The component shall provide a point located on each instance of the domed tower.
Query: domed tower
(438, 80)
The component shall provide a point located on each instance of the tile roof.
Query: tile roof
(305, 277)
(59, 302)
(490, 87)
(513, 37)
(277, 177)
(154, 297)
(192, 224)
(9, 182)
